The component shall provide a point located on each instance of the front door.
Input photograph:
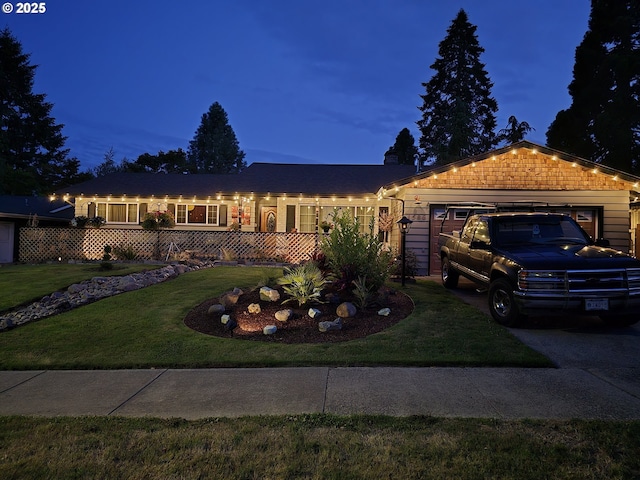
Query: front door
(268, 219)
(6, 242)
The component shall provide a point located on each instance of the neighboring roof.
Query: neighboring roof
(24, 207)
(523, 144)
(258, 178)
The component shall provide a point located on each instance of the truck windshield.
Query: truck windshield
(539, 230)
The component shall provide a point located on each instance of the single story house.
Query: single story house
(20, 211)
(292, 197)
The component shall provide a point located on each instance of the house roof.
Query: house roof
(522, 144)
(25, 207)
(258, 178)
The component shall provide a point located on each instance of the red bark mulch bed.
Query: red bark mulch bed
(301, 328)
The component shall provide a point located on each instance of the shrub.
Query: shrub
(96, 222)
(125, 252)
(106, 259)
(352, 254)
(410, 266)
(364, 294)
(303, 284)
(80, 221)
(158, 220)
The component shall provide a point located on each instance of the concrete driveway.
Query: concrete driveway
(570, 341)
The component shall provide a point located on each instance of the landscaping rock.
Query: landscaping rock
(254, 308)
(269, 329)
(314, 313)
(346, 310)
(384, 312)
(231, 324)
(284, 315)
(224, 319)
(269, 294)
(229, 299)
(216, 309)
(330, 326)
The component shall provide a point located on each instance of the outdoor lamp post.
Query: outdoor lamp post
(404, 223)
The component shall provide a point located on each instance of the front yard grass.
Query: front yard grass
(317, 446)
(145, 329)
(20, 284)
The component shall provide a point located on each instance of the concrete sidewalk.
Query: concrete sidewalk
(504, 393)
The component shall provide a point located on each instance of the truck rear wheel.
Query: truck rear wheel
(502, 304)
(449, 275)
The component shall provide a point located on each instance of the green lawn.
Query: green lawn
(25, 283)
(145, 328)
(317, 447)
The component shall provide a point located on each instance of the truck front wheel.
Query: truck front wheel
(449, 275)
(502, 305)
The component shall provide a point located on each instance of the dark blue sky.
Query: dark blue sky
(301, 81)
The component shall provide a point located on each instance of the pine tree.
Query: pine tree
(458, 111)
(404, 148)
(514, 131)
(602, 123)
(32, 154)
(215, 148)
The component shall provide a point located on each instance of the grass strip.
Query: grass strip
(317, 447)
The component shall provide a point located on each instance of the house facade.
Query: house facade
(299, 198)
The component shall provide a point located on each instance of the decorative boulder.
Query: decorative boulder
(329, 326)
(215, 309)
(269, 329)
(284, 315)
(254, 308)
(224, 319)
(314, 313)
(384, 312)
(229, 299)
(269, 294)
(346, 310)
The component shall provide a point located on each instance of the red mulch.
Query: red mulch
(301, 328)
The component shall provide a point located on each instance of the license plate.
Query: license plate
(591, 304)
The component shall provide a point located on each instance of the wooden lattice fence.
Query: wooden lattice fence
(52, 244)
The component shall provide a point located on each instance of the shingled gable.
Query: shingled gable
(521, 166)
(258, 178)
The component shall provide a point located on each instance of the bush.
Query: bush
(303, 284)
(364, 294)
(410, 266)
(351, 254)
(158, 220)
(96, 222)
(125, 252)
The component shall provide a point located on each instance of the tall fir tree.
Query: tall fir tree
(458, 111)
(33, 159)
(215, 148)
(404, 148)
(602, 123)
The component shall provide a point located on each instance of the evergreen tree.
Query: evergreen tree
(214, 148)
(514, 132)
(404, 148)
(32, 154)
(602, 123)
(458, 111)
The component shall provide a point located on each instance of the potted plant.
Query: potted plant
(325, 226)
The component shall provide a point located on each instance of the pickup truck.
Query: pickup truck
(536, 263)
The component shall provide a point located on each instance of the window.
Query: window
(118, 212)
(197, 214)
(364, 215)
(307, 218)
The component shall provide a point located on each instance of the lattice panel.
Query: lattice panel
(50, 244)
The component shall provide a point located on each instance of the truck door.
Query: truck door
(480, 259)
